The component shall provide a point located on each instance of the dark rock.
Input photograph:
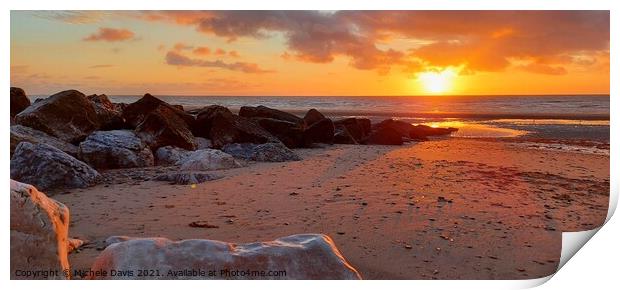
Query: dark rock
(47, 167)
(67, 115)
(385, 136)
(291, 134)
(358, 128)
(313, 116)
(19, 101)
(109, 114)
(227, 129)
(342, 136)
(320, 132)
(163, 126)
(170, 155)
(423, 131)
(403, 128)
(135, 113)
(21, 133)
(204, 119)
(268, 152)
(265, 112)
(188, 177)
(115, 149)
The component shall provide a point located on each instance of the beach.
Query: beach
(447, 208)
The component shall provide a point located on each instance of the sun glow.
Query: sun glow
(437, 82)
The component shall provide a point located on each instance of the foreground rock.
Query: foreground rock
(135, 113)
(302, 257)
(415, 132)
(26, 134)
(268, 152)
(109, 114)
(47, 167)
(19, 101)
(265, 112)
(223, 127)
(385, 136)
(320, 132)
(313, 116)
(67, 115)
(39, 233)
(115, 149)
(170, 155)
(289, 133)
(209, 159)
(358, 128)
(188, 177)
(163, 127)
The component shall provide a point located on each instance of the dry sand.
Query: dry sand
(443, 209)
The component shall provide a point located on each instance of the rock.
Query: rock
(267, 152)
(342, 136)
(303, 257)
(115, 149)
(187, 177)
(19, 101)
(358, 128)
(202, 143)
(423, 131)
(163, 126)
(385, 136)
(265, 112)
(313, 116)
(205, 116)
(68, 116)
(227, 129)
(402, 128)
(320, 132)
(21, 133)
(47, 167)
(135, 113)
(170, 155)
(209, 159)
(109, 114)
(289, 133)
(39, 233)
(74, 244)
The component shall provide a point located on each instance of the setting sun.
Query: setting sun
(437, 82)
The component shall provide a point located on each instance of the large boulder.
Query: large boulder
(320, 132)
(267, 152)
(115, 149)
(39, 234)
(205, 116)
(343, 136)
(47, 167)
(403, 128)
(163, 127)
(19, 101)
(301, 257)
(289, 133)
(135, 113)
(209, 159)
(384, 136)
(109, 114)
(423, 131)
(265, 112)
(67, 115)
(313, 116)
(21, 133)
(170, 155)
(227, 129)
(358, 128)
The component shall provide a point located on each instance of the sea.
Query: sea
(564, 122)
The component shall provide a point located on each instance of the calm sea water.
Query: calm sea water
(565, 119)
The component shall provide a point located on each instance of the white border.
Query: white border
(595, 265)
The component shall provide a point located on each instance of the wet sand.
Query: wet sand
(443, 209)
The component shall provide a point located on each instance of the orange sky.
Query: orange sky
(311, 52)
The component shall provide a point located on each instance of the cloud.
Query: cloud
(202, 50)
(179, 46)
(111, 35)
(177, 59)
(101, 66)
(475, 40)
(72, 17)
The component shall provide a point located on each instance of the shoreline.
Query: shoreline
(395, 212)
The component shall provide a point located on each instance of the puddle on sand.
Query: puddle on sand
(476, 130)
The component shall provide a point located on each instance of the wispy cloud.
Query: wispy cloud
(177, 59)
(101, 66)
(111, 35)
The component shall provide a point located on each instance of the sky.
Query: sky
(311, 52)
